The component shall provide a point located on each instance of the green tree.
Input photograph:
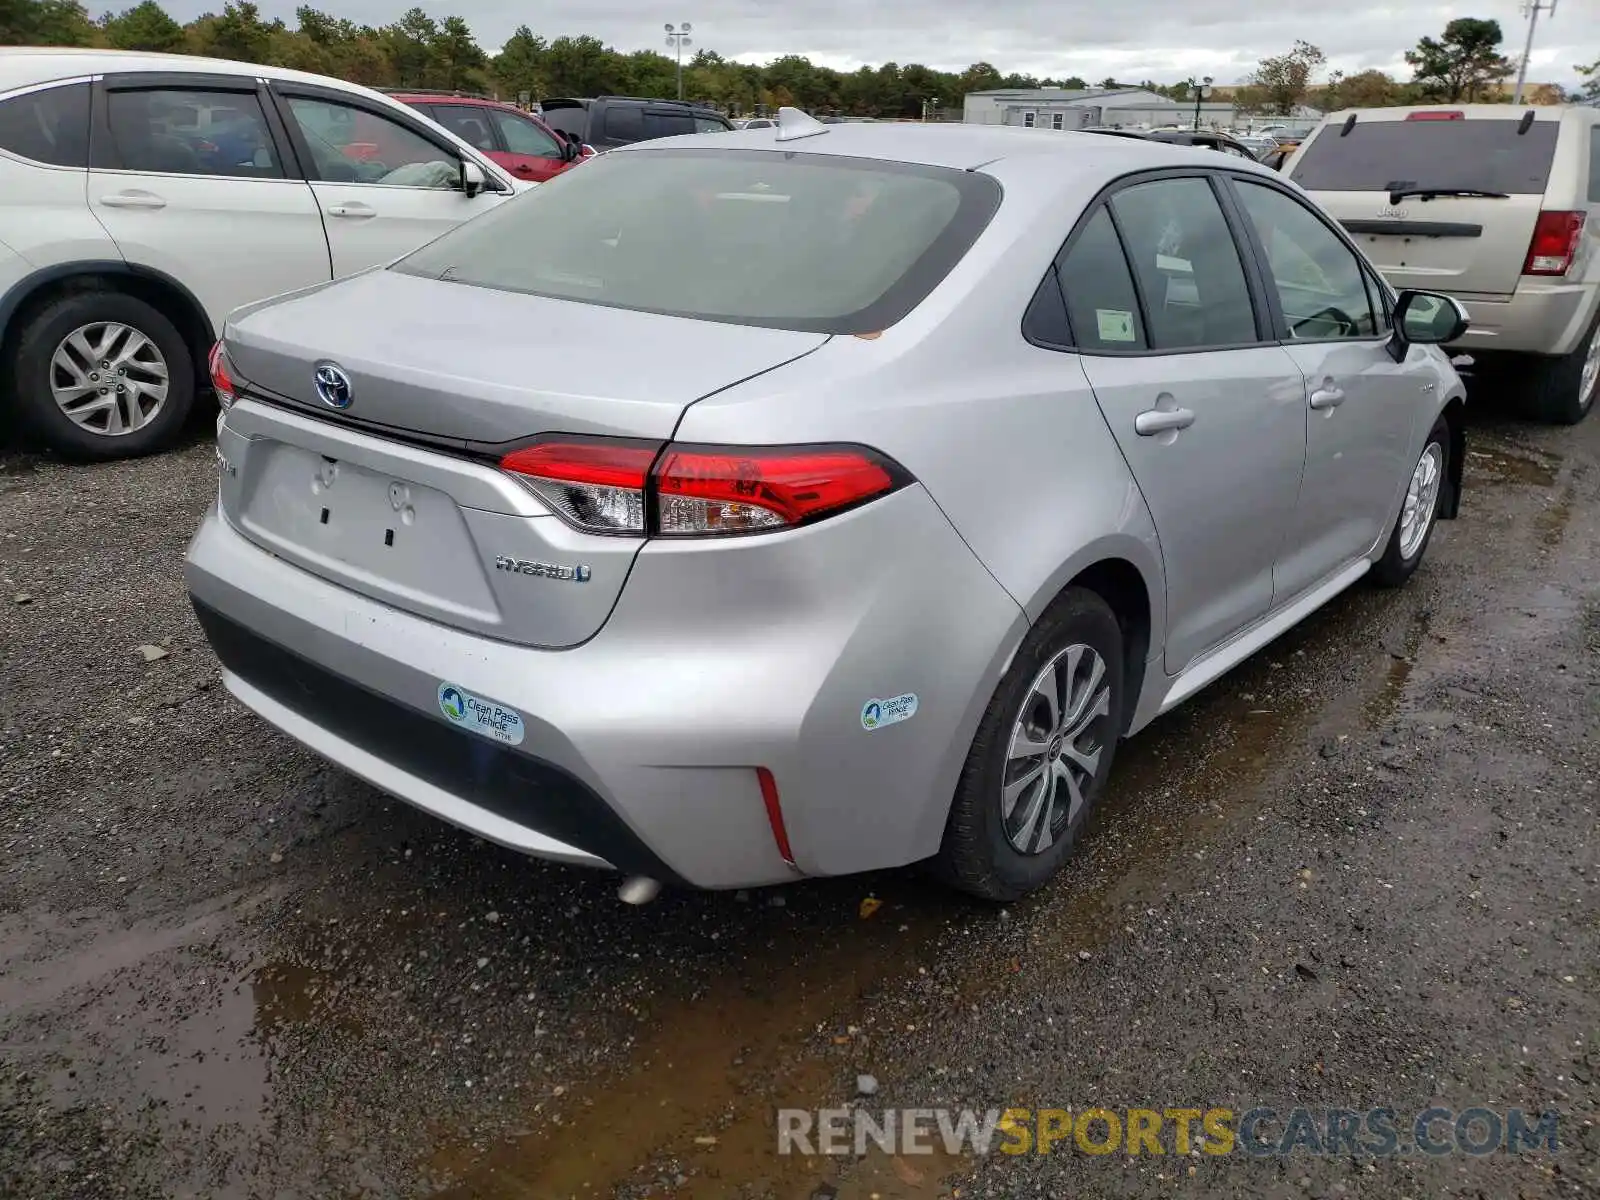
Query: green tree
(1280, 82)
(410, 43)
(146, 26)
(1364, 89)
(1462, 64)
(519, 66)
(583, 66)
(45, 23)
(1590, 91)
(459, 60)
(239, 33)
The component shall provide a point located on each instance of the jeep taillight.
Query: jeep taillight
(1556, 237)
(612, 486)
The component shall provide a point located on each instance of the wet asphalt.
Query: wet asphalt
(1361, 871)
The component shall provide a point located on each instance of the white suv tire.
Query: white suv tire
(66, 400)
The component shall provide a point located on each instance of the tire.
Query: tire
(980, 853)
(147, 341)
(1561, 391)
(1403, 555)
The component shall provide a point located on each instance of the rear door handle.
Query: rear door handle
(353, 208)
(1160, 420)
(1327, 397)
(133, 200)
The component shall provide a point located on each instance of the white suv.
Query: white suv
(1494, 205)
(143, 197)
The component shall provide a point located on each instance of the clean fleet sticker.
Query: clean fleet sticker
(485, 717)
(1116, 325)
(875, 714)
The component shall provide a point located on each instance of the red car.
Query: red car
(518, 141)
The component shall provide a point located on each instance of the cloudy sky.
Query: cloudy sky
(1164, 40)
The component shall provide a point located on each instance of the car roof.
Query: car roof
(21, 66)
(938, 144)
(445, 98)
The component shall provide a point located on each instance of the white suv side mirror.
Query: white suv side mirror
(473, 179)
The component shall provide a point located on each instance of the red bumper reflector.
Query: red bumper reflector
(769, 797)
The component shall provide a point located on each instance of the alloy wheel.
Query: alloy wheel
(1055, 749)
(109, 378)
(1591, 373)
(1422, 500)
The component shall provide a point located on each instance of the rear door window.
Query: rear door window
(1101, 302)
(48, 126)
(186, 132)
(1375, 156)
(468, 122)
(625, 123)
(1186, 264)
(667, 124)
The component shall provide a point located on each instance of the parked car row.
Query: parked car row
(144, 197)
(1070, 425)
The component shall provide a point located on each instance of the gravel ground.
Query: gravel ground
(1361, 871)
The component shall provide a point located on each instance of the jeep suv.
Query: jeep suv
(610, 121)
(518, 141)
(1492, 204)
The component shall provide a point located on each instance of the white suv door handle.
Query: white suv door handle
(353, 208)
(1160, 420)
(1327, 396)
(133, 200)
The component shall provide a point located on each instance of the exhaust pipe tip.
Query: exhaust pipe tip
(638, 889)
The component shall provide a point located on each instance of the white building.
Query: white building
(1060, 108)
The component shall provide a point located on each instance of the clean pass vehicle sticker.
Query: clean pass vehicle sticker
(875, 714)
(1116, 325)
(482, 716)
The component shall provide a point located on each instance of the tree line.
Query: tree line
(1465, 63)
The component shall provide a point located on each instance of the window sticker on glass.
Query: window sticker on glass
(1116, 325)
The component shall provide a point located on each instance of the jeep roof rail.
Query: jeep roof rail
(452, 93)
(652, 100)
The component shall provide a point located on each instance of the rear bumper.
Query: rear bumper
(641, 746)
(1539, 318)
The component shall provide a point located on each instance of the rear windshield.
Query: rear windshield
(1375, 155)
(785, 240)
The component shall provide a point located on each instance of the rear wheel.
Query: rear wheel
(102, 375)
(1041, 754)
(1562, 390)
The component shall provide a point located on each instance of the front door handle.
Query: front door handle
(353, 208)
(1160, 420)
(134, 199)
(1327, 396)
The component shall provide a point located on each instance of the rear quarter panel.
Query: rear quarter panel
(1006, 437)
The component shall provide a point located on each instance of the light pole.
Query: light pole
(1533, 10)
(1201, 91)
(678, 38)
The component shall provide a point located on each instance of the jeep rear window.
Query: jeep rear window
(1489, 155)
(773, 238)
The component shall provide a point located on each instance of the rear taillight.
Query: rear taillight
(708, 490)
(1556, 237)
(599, 486)
(222, 377)
(1437, 114)
(618, 487)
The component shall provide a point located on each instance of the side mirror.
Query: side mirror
(473, 180)
(1426, 319)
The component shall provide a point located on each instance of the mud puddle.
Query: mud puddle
(694, 1114)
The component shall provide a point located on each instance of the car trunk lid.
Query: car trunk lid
(449, 361)
(1472, 245)
(398, 497)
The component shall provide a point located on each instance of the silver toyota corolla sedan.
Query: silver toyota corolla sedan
(807, 500)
